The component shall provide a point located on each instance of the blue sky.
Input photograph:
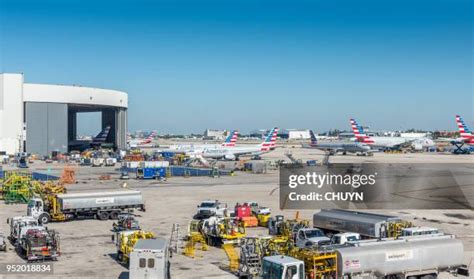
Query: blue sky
(191, 65)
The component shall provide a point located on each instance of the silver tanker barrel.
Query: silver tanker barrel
(401, 256)
(366, 224)
(117, 199)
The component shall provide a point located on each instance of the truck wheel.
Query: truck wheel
(44, 218)
(102, 215)
(114, 215)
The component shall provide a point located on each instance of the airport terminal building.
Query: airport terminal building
(42, 118)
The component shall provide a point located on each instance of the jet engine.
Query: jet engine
(229, 157)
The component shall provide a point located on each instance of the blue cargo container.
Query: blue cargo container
(36, 176)
(168, 154)
(189, 171)
(150, 173)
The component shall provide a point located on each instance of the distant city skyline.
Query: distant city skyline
(192, 65)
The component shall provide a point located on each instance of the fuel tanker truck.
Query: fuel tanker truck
(414, 257)
(101, 205)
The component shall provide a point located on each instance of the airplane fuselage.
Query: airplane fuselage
(350, 147)
(232, 153)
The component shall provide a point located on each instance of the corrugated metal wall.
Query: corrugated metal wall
(47, 128)
(122, 129)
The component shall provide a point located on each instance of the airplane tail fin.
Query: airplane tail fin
(270, 140)
(463, 129)
(101, 137)
(359, 132)
(231, 138)
(151, 136)
(314, 141)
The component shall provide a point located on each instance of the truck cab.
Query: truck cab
(19, 225)
(309, 237)
(282, 267)
(343, 238)
(36, 210)
(210, 208)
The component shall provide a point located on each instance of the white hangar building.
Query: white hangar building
(42, 118)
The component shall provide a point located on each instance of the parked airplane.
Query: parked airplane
(230, 141)
(98, 141)
(389, 142)
(233, 153)
(466, 138)
(466, 135)
(338, 146)
(134, 143)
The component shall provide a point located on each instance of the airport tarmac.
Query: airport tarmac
(88, 251)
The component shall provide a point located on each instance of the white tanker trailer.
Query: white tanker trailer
(411, 257)
(102, 205)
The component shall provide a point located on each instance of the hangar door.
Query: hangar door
(46, 128)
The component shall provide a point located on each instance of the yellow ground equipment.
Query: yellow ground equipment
(278, 245)
(126, 241)
(288, 228)
(395, 229)
(222, 230)
(277, 225)
(16, 187)
(179, 159)
(194, 237)
(232, 255)
(254, 249)
(262, 213)
(46, 188)
(318, 263)
(20, 187)
(263, 219)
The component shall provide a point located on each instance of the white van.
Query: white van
(150, 259)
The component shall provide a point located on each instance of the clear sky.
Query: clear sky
(191, 65)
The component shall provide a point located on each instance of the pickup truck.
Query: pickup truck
(211, 208)
(343, 238)
(311, 237)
